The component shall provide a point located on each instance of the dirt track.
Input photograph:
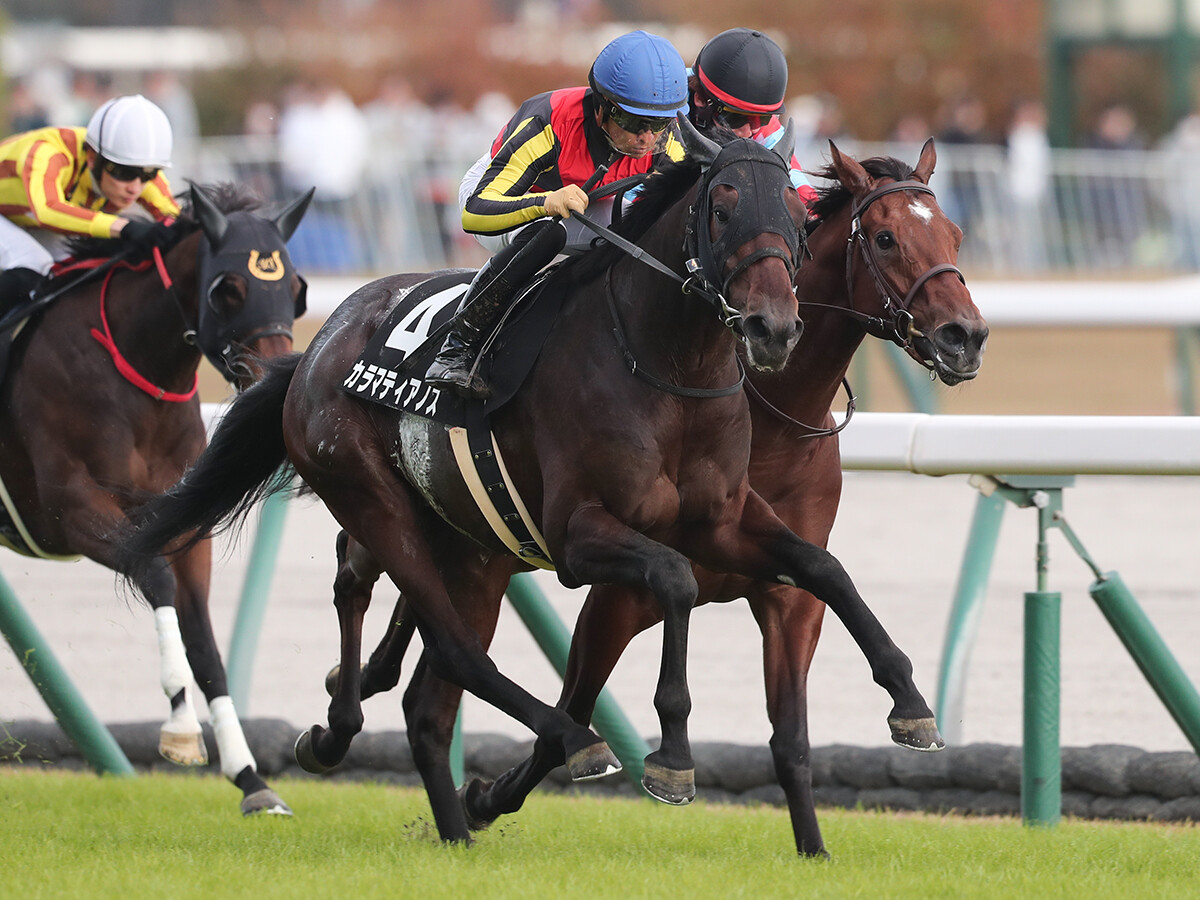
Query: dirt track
(900, 536)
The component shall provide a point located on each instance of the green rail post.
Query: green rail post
(95, 741)
(1041, 761)
(1150, 653)
(963, 625)
(916, 382)
(458, 768)
(555, 640)
(1183, 370)
(256, 591)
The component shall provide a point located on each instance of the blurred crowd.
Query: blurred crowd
(318, 136)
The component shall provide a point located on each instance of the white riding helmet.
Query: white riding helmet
(131, 131)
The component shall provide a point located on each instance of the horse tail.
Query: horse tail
(240, 466)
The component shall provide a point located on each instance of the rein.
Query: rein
(695, 284)
(809, 430)
(899, 329)
(654, 380)
(105, 337)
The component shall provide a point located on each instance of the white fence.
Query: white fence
(1091, 212)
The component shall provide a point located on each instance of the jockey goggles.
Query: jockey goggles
(627, 121)
(122, 172)
(735, 118)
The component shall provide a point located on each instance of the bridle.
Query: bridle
(705, 258)
(896, 323)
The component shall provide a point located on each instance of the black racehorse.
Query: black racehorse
(628, 444)
(99, 410)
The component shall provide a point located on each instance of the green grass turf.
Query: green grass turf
(79, 836)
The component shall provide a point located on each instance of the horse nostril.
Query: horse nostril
(951, 337)
(755, 328)
(799, 328)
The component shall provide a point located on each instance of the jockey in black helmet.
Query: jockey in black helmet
(739, 80)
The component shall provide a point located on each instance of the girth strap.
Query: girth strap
(483, 470)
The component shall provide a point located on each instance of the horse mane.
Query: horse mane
(228, 197)
(833, 196)
(663, 187)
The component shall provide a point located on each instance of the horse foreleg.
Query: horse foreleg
(237, 762)
(610, 618)
(382, 671)
(319, 749)
(599, 549)
(790, 622)
(759, 545)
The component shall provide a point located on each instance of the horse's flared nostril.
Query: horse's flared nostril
(755, 328)
(951, 338)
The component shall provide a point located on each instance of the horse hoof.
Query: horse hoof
(183, 748)
(466, 794)
(674, 786)
(307, 757)
(592, 762)
(331, 680)
(265, 802)
(917, 734)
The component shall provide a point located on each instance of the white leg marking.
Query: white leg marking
(232, 748)
(175, 673)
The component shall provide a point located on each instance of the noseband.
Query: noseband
(896, 325)
(766, 212)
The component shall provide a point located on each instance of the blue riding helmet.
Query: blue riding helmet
(643, 74)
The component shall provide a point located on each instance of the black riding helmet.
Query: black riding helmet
(743, 69)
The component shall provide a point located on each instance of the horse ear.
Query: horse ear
(853, 176)
(287, 221)
(697, 146)
(925, 164)
(212, 220)
(786, 145)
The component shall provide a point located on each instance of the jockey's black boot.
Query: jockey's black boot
(487, 297)
(16, 288)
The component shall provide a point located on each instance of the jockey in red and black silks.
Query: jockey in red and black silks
(536, 168)
(551, 141)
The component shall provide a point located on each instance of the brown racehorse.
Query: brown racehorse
(899, 283)
(883, 263)
(625, 481)
(99, 410)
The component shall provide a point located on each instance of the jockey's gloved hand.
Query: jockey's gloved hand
(146, 235)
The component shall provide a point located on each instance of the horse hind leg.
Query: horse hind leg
(180, 739)
(320, 749)
(233, 751)
(381, 672)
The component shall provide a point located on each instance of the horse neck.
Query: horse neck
(818, 365)
(679, 336)
(150, 322)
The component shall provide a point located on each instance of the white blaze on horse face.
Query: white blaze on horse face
(921, 211)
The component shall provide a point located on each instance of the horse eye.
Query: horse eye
(885, 240)
(721, 215)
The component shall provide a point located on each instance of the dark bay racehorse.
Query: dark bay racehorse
(891, 275)
(99, 411)
(626, 481)
(883, 264)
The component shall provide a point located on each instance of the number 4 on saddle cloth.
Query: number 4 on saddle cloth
(389, 372)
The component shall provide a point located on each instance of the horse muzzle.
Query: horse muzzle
(953, 352)
(769, 342)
